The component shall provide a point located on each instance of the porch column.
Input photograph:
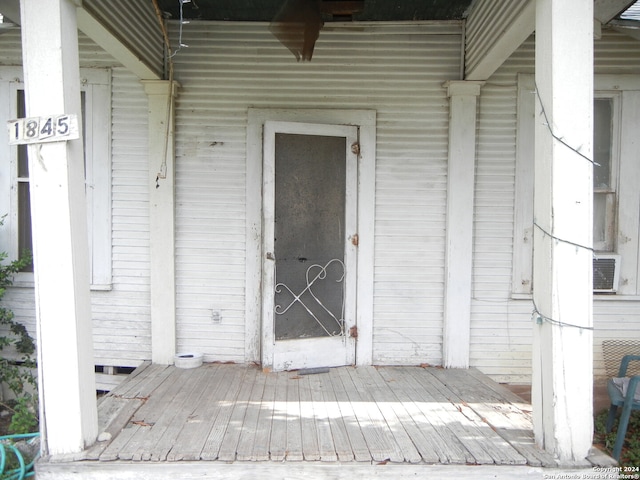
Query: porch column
(459, 235)
(563, 339)
(161, 95)
(68, 413)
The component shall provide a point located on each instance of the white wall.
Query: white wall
(398, 70)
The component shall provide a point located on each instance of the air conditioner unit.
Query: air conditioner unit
(606, 273)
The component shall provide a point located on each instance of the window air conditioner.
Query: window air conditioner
(606, 272)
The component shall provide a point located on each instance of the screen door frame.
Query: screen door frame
(320, 351)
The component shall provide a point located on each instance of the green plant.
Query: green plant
(16, 351)
(24, 419)
(631, 449)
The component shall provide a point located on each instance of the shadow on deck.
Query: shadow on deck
(233, 418)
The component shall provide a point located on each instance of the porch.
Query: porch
(221, 414)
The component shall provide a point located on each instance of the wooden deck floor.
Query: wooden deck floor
(234, 413)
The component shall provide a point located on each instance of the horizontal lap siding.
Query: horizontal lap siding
(501, 327)
(396, 70)
(122, 323)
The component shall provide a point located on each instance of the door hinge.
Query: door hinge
(355, 148)
(355, 239)
(353, 332)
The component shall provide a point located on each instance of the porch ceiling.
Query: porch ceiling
(265, 10)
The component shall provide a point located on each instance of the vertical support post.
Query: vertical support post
(68, 413)
(459, 235)
(562, 387)
(161, 95)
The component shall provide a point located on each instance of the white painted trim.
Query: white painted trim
(459, 233)
(366, 121)
(161, 96)
(68, 411)
(628, 219)
(562, 389)
(522, 265)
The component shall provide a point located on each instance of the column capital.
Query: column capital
(160, 87)
(463, 87)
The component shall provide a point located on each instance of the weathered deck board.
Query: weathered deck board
(222, 441)
(278, 441)
(249, 426)
(293, 451)
(366, 414)
(380, 444)
(357, 441)
(499, 449)
(438, 416)
(310, 447)
(191, 439)
(341, 441)
(473, 437)
(500, 408)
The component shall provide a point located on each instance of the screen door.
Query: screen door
(310, 182)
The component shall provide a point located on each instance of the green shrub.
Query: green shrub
(17, 350)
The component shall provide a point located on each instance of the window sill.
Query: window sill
(606, 297)
(31, 284)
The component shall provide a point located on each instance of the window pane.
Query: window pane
(604, 207)
(24, 221)
(599, 219)
(23, 163)
(602, 127)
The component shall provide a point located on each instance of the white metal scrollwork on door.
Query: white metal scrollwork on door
(314, 274)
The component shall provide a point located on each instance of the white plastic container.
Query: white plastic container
(188, 360)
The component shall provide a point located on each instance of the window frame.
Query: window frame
(612, 202)
(96, 84)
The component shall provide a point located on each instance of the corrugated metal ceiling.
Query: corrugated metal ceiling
(265, 10)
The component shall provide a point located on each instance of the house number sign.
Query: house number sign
(54, 128)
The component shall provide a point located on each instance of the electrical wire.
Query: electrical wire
(536, 314)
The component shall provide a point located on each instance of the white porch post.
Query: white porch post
(68, 414)
(563, 338)
(161, 95)
(459, 236)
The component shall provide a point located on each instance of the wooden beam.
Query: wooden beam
(112, 44)
(606, 10)
(508, 40)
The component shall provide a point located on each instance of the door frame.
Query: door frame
(365, 120)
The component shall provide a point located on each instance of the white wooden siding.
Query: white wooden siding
(398, 70)
(135, 21)
(487, 20)
(501, 326)
(121, 323)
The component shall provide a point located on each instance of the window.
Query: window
(604, 173)
(14, 175)
(616, 209)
